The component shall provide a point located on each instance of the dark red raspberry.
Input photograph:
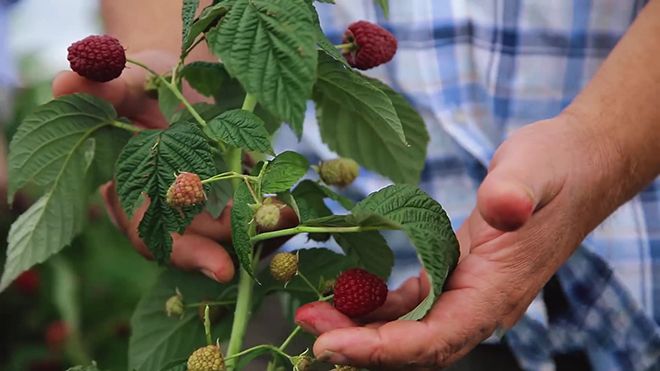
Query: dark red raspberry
(358, 292)
(28, 282)
(56, 335)
(187, 190)
(374, 45)
(98, 57)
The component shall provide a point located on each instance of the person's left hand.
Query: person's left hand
(544, 192)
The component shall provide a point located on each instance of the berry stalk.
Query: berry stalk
(308, 229)
(243, 310)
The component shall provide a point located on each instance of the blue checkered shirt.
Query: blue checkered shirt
(477, 70)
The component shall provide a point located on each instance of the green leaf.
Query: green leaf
(322, 40)
(309, 198)
(109, 142)
(242, 129)
(51, 222)
(370, 251)
(148, 165)
(385, 6)
(210, 15)
(205, 77)
(283, 172)
(65, 291)
(53, 148)
(187, 17)
(270, 46)
(428, 227)
(168, 103)
(47, 138)
(156, 339)
(242, 228)
(359, 121)
(290, 201)
(413, 126)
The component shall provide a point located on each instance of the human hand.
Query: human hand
(544, 192)
(200, 247)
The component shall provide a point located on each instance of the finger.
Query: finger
(218, 229)
(516, 185)
(319, 317)
(195, 252)
(457, 323)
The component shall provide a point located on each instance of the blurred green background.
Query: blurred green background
(76, 306)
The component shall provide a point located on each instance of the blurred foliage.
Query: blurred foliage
(93, 285)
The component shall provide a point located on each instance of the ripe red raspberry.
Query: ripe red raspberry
(374, 45)
(28, 282)
(187, 190)
(98, 57)
(57, 334)
(358, 292)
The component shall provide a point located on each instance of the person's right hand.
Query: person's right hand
(200, 247)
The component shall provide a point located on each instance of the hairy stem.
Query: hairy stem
(316, 291)
(173, 88)
(126, 126)
(308, 229)
(243, 310)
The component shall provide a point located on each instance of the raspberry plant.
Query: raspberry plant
(272, 58)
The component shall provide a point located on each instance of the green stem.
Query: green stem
(125, 126)
(316, 291)
(211, 303)
(288, 340)
(174, 90)
(345, 46)
(250, 350)
(228, 175)
(207, 326)
(307, 229)
(243, 310)
(249, 102)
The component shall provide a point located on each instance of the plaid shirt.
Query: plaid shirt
(479, 69)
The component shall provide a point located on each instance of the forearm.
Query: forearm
(148, 24)
(619, 111)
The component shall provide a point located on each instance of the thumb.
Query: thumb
(519, 182)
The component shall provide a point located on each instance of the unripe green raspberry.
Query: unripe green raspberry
(207, 358)
(267, 216)
(303, 363)
(174, 305)
(340, 171)
(284, 266)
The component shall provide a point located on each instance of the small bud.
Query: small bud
(284, 266)
(174, 305)
(328, 286)
(186, 190)
(340, 172)
(302, 363)
(267, 216)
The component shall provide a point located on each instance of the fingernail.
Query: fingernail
(333, 357)
(210, 274)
